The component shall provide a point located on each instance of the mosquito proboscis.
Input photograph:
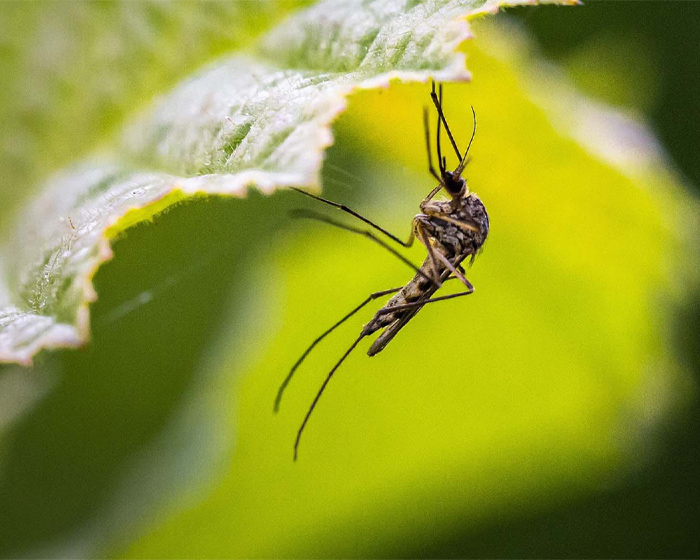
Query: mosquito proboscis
(452, 231)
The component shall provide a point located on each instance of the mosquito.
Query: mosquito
(452, 231)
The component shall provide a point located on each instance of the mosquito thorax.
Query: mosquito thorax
(476, 213)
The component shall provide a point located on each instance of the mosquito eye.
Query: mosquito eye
(453, 186)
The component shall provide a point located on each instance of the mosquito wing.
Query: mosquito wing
(392, 330)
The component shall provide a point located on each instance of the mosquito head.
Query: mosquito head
(454, 184)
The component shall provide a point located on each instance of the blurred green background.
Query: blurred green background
(525, 421)
(640, 56)
(644, 57)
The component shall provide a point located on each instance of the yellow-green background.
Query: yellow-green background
(547, 414)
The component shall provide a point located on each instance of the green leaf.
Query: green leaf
(66, 91)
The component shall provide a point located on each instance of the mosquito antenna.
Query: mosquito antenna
(441, 160)
(463, 163)
(426, 127)
(320, 392)
(438, 105)
(444, 159)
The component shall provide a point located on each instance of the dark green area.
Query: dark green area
(63, 461)
(669, 34)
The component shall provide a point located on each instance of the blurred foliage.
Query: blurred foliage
(504, 424)
(644, 58)
(655, 54)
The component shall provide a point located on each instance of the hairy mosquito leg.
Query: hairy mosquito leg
(321, 218)
(431, 253)
(320, 392)
(421, 303)
(356, 215)
(454, 270)
(435, 211)
(438, 105)
(287, 379)
(431, 194)
(463, 225)
(444, 260)
(426, 127)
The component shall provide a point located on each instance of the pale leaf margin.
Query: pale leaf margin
(259, 119)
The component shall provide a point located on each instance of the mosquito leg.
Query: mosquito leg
(320, 392)
(356, 215)
(438, 105)
(423, 238)
(426, 127)
(287, 379)
(463, 225)
(321, 218)
(455, 269)
(421, 303)
(431, 194)
(444, 260)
